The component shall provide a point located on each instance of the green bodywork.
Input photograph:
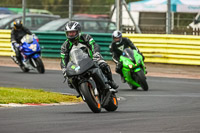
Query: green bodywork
(136, 67)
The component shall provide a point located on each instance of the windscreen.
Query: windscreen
(27, 38)
(129, 53)
(77, 55)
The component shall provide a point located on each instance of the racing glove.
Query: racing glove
(64, 72)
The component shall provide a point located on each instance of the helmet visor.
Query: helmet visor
(117, 39)
(18, 26)
(71, 33)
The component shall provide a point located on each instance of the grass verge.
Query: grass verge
(21, 96)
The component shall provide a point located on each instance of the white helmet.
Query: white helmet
(117, 34)
(72, 26)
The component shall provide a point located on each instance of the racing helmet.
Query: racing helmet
(72, 26)
(17, 24)
(117, 34)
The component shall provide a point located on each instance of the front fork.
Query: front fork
(33, 62)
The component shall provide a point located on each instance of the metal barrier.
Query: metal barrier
(51, 42)
(172, 49)
(5, 44)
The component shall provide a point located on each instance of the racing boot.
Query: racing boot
(145, 69)
(18, 56)
(122, 79)
(14, 59)
(26, 63)
(108, 74)
(19, 60)
(113, 84)
(111, 81)
(121, 75)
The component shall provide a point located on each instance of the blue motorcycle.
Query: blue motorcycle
(31, 52)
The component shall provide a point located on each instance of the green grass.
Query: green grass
(21, 96)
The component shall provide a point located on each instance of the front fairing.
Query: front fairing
(79, 62)
(77, 69)
(129, 53)
(131, 57)
(126, 61)
(30, 48)
(132, 63)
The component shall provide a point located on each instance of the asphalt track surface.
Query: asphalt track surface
(171, 105)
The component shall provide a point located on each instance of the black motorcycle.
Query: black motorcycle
(90, 83)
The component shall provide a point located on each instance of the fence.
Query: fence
(173, 49)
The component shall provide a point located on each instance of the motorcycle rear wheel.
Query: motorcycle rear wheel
(113, 103)
(88, 96)
(24, 69)
(134, 87)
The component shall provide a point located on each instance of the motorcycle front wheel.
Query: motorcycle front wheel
(88, 95)
(142, 80)
(39, 65)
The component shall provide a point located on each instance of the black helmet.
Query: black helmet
(117, 34)
(18, 24)
(72, 26)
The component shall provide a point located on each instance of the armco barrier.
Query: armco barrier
(173, 49)
(5, 45)
(51, 42)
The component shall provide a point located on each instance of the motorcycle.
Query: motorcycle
(31, 52)
(87, 78)
(133, 69)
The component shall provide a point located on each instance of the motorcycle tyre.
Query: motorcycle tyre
(92, 100)
(134, 87)
(142, 80)
(24, 69)
(112, 104)
(40, 65)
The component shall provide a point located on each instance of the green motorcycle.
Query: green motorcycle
(133, 69)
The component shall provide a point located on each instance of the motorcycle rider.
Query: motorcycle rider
(18, 31)
(74, 37)
(117, 46)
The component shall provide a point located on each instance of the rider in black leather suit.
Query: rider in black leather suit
(74, 37)
(18, 31)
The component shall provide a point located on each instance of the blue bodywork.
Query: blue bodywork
(31, 50)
